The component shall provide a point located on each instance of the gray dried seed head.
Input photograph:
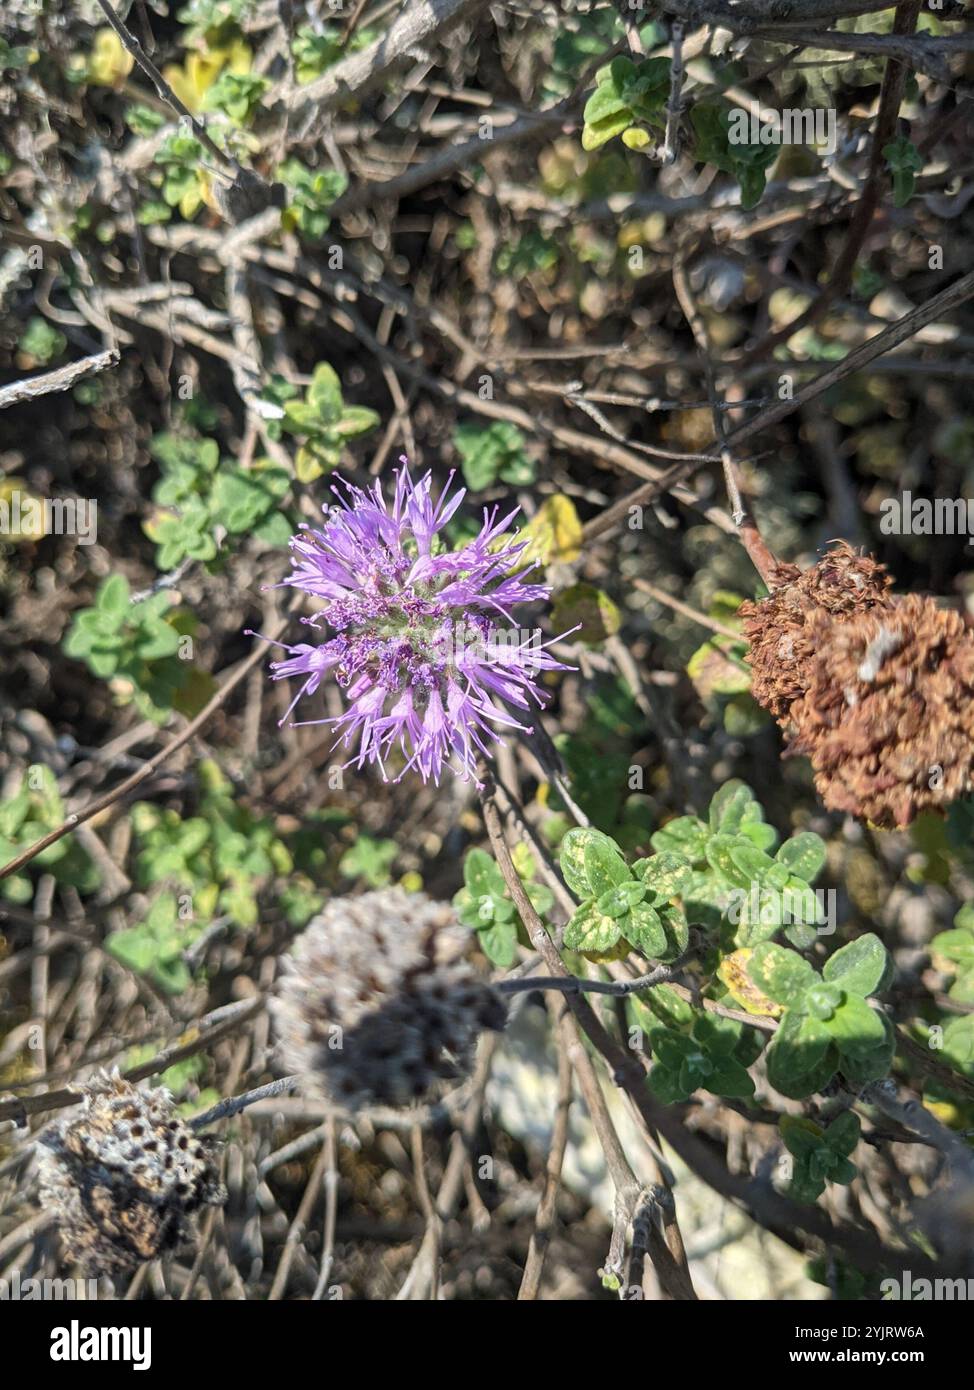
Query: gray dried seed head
(379, 1001)
(123, 1174)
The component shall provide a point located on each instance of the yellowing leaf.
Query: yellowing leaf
(239, 58)
(206, 190)
(587, 609)
(717, 668)
(191, 81)
(617, 952)
(189, 203)
(110, 62)
(946, 1111)
(636, 138)
(204, 902)
(306, 466)
(196, 76)
(553, 535)
(523, 860)
(733, 971)
(154, 523)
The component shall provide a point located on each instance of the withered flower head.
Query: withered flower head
(379, 1001)
(123, 1174)
(778, 628)
(888, 716)
(877, 691)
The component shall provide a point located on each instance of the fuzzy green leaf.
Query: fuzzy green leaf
(858, 967)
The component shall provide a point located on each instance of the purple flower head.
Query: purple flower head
(424, 641)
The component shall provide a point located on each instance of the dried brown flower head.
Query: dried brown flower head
(380, 1001)
(778, 628)
(888, 716)
(123, 1174)
(877, 691)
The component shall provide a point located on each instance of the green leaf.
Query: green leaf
(781, 974)
(803, 855)
(874, 1063)
(370, 859)
(13, 812)
(855, 1027)
(686, 835)
(571, 857)
(651, 78)
(696, 1071)
(589, 930)
(356, 420)
(750, 861)
(904, 161)
(499, 944)
(965, 916)
(958, 1044)
(300, 417)
(677, 931)
(801, 1137)
(643, 929)
(666, 875)
(716, 668)
(957, 945)
(666, 1085)
(800, 1059)
(843, 1133)
(134, 947)
(481, 875)
(858, 967)
(843, 1172)
(159, 641)
(325, 393)
(759, 833)
(113, 596)
(275, 530)
(822, 1000)
(583, 850)
(616, 902)
(710, 125)
(718, 1036)
(729, 806)
(617, 74)
(172, 975)
(673, 1049)
(541, 897)
(752, 181)
(729, 1078)
(16, 888)
(487, 451)
(721, 856)
(604, 102)
(668, 1006)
